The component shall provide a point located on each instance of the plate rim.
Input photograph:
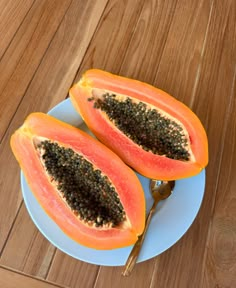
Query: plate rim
(102, 262)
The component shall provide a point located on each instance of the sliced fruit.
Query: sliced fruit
(81, 184)
(150, 130)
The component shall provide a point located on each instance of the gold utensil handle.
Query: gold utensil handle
(133, 256)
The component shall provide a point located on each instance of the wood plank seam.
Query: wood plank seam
(97, 276)
(91, 40)
(26, 14)
(25, 92)
(73, 81)
(199, 69)
(210, 117)
(227, 119)
(231, 99)
(149, 76)
(79, 67)
(157, 67)
(45, 52)
(9, 232)
(19, 60)
(202, 52)
(133, 33)
(26, 275)
(51, 262)
(152, 279)
(94, 33)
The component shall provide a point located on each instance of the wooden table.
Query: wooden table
(187, 48)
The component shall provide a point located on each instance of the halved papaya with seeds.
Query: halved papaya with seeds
(82, 185)
(150, 130)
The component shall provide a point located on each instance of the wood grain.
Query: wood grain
(12, 279)
(148, 41)
(60, 62)
(183, 41)
(114, 32)
(70, 272)
(220, 264)
(184, 47)
(140, 277)
(189, 267)
(32, 254)
(26, 50)
(12, 13)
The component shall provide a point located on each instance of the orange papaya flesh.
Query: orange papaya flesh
(26, 144)
(89, 97)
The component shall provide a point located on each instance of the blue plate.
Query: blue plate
(172, 219)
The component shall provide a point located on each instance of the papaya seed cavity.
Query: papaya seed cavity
(144, 125)
(88, 192)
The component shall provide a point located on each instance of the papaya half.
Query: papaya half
(154, 133)
(90, 193)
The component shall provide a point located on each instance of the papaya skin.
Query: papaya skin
(123, 178)
(144, 162)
